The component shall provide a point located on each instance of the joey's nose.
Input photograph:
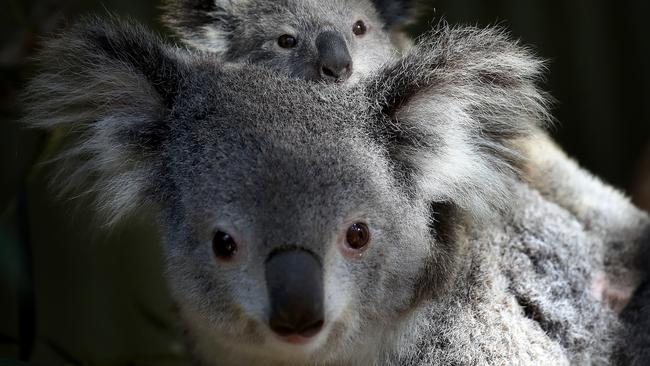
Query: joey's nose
(334, 61)
(294, 280)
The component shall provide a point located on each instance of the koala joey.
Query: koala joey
(333, 41)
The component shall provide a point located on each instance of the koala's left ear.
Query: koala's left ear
(451, 110)
(110, 86)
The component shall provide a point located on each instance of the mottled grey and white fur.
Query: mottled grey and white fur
(248, 31)
(466, 264)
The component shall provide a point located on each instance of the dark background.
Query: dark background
(71, 293)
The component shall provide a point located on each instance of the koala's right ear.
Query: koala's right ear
(109, 85)
(396, 13)
(204, 24)
(450, 113)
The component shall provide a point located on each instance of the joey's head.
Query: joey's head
(302, 223)
(332, 41)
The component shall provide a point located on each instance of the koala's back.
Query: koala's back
(524, 296)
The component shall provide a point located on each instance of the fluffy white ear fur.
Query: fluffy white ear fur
(213, 39)
(459, 99)
(100, 83)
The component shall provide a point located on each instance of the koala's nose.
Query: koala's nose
(294, 280)
(334, 62)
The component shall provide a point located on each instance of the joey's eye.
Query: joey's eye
(358, 236)
(287, 41)
(223, 245)
(359, 28)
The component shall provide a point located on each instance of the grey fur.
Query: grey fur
(602, 210)
(636, 337)
(468, 265)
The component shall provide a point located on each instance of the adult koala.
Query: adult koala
(326, 33)
(396, 203)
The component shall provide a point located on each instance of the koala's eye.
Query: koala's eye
(359, 28)
(358, 236)
(223, 245)
(287, 41)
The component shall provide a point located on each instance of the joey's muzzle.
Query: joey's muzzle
(334, 60)
(294, 279)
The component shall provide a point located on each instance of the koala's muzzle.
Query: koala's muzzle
(334, 61)
(294, 280)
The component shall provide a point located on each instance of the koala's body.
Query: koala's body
(251, 30)
(247, 30)
(396, 203)
(335, 41)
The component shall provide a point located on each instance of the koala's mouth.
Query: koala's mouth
(301, 348)
(297, 339)
(301, 344)
(306, 333)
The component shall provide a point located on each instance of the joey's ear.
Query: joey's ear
(396, 13)
(204, 24)
(109, 85)
(451, 109)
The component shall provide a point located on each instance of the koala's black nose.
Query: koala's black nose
(334, 61)
(294, 280)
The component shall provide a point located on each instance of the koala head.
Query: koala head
(302, 223)
(332, 41)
